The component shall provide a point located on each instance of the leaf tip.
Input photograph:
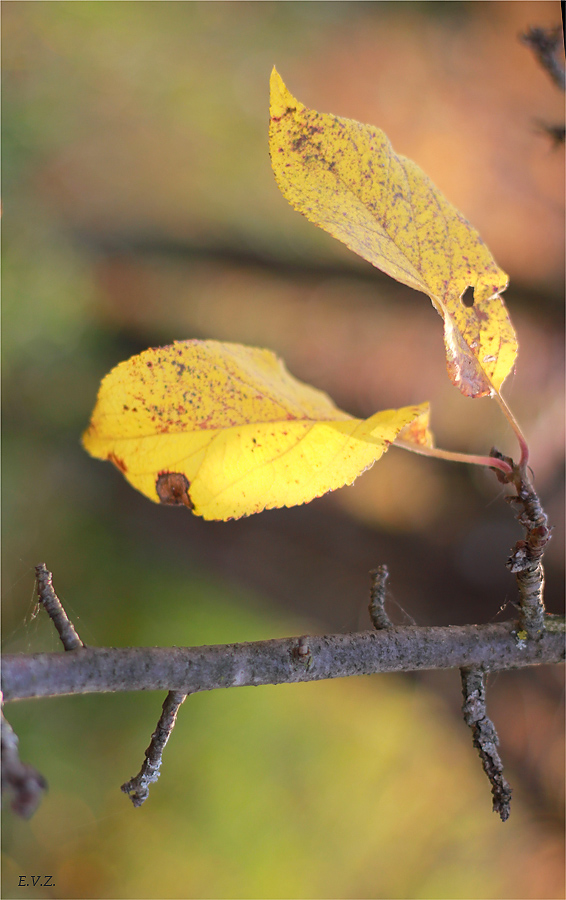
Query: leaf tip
(280, 99)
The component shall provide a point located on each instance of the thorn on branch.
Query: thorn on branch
(51, 603)
(485, 737)
(137, 788)
(24, 783)
(378, 593)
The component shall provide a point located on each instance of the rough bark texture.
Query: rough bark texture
(137, 788)
(192, 669)
(485, 738)
(526, 560)
(52, 605)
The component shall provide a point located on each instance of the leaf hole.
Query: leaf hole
(467, 297)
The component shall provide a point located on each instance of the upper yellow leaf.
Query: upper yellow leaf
(227, 431)
(346, 178)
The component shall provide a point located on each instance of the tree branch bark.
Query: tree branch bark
(137, 788)
(193, 669)
(485, 738)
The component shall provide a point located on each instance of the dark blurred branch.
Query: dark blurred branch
(21, 781)
(193, 669)
(545, 43)
(557, 133)
(233, 254)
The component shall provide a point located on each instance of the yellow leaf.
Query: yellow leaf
(346, 178)
(225, 430)
(418, 431)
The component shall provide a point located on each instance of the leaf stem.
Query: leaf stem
(515, 426)
(489, 461)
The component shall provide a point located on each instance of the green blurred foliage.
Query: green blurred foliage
(173, 78)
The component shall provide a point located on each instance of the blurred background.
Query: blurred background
(140, 208)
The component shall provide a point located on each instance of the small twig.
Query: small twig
(485, 737)
(50, 601)
(544, 42)
(137, 788)
(22, 781)
(526, 559)
(378, 592)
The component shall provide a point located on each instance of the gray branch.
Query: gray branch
(526, 560)
(52, 605)
(137, 788)
(485, 737)
(193, 669)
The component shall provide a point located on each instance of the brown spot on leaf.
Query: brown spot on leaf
(119, 463)
(173, 489)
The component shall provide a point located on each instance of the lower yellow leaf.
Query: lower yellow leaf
(226, 431)
(418, 431)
